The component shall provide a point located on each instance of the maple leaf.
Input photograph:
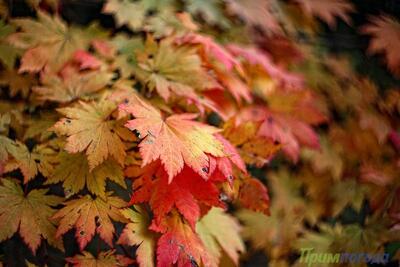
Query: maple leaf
(275, 233)
(232, 156)
(73, 171)
(211, 47)
(136, 14)
(275, 129)
(219, 230)
(286, 192)
(254, 56)
(168, 22)
(347, 193)
(48, 42)
(259, 150)
(180, 245)
(168, 68)
(89, 216)
(40, 159)
(126, 12)
(282, 129)
(89, 128)
(256, 12)
(236, 86)
(350, 238)
(27, 214)
(176, 140)
(385, 32)
(328, 159)
(104, 259)
(8, 53)
(136, 233)
(37, 127)
(321, 242)
(317, 189)
(74, 86)
(17, 83)
(252, 148)
(300, 105)
(186, 192)
(253, 195)
(327, 10)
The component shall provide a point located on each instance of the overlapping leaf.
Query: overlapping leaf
(136, 233)
(72, 87)
(73, 171)
(90, 128)
(168, 69)
(385, 33)
(327, 10)
(104, 259)
(89, 216)
(180, 245)
(176, 140)
(28, 214)
(219, 231)
(47, 41)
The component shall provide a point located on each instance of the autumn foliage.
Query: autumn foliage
(194, 133)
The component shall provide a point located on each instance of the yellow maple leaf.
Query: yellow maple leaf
(167, 68)
(29, 213)
(73, 171)
(17, 83)
(219, 231)
(89, 128)
(328, 159)
(136, 233)
(40, 159)
(126, 12)
(74, 86)
(275, 233)
(48, 41)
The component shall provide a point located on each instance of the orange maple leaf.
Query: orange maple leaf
(327, 10)
(175, 140)
(385, 33)
(90, 216)
(253, 195)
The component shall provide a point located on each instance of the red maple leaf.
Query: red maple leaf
(179, 244)
(187, 192)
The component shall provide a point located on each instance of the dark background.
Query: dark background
(344, 39)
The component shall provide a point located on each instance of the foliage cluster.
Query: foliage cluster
(161, 141)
